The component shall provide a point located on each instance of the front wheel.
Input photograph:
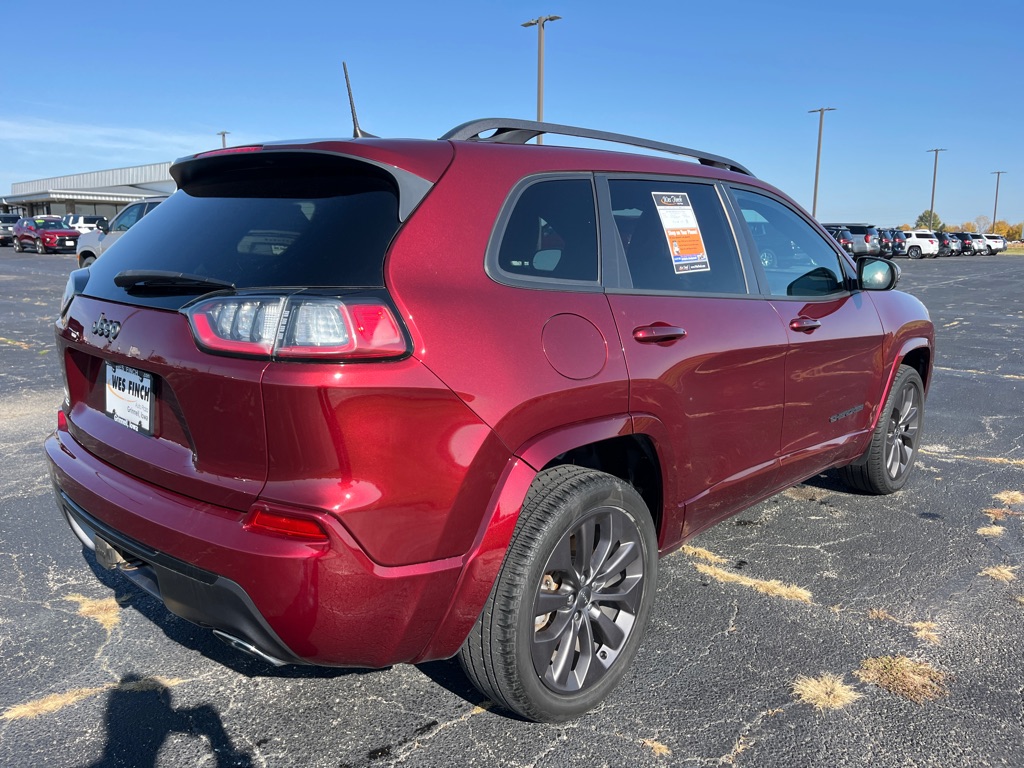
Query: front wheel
(568, 610)
(914, 252)
(886, 465)
(40, 248)
(17, 246)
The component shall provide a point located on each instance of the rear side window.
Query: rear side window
(797, 261)
(551, 233)
(312, 222)
(676, 237)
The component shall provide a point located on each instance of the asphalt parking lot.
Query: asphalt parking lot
(95, 673)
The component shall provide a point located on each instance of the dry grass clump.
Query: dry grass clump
(105, 611)
(923, 630)
(827, 691)
(926, 630)
(659, 749)
(917, 681)
(1009, 498)
(1000, 513)
(773, 588)
(703, 554)
(991, 531)
(1004, 573)
(880, 614)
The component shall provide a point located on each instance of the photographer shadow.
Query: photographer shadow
(140, 717)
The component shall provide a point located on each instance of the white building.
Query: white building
(99, 192)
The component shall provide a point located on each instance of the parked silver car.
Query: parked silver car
(92, 244)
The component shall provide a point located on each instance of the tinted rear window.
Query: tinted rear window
(302, 221)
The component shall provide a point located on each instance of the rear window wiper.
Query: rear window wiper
(163, 281)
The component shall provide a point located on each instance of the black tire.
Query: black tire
(889, 459)
(17, 245)
(40, 248)
(914, 252)
(560, 630)
(768, 258)
(86, 259)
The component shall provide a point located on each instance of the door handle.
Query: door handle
(657, 334)
(804, 324)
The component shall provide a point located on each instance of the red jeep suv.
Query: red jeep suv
(369, 401)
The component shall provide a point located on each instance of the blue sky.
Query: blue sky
(149, 82)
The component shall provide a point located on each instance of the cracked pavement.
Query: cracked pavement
(97, 674)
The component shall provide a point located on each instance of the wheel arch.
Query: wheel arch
(608, 445)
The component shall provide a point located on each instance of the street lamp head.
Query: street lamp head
(539, 20)
(822, 109)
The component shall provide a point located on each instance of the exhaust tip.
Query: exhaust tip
(246, 647)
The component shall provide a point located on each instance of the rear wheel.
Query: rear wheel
(914, 252)
(568, 610)
(886, 465)
(86, 259)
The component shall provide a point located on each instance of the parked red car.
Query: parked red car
(44, 234)
(361, 402)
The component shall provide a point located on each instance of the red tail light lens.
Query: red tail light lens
(867, 238)
(297, 326)
(264, 520)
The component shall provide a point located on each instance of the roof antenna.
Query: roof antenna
(357, 132)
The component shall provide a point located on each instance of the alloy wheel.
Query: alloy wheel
(587, 602)
(901, 437)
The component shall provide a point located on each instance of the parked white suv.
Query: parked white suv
(921, 243)
(82, 222)
(996, 243)
(92, 244)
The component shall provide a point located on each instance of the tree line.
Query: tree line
(982, 224)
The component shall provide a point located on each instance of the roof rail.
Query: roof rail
(510, 131)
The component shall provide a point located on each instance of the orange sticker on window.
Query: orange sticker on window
(682, 232)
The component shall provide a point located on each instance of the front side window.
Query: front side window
(126, 218)
(551, 233)
(676, 237)
(797, 261)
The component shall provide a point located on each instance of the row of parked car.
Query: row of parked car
(867, 240)
(85, 235)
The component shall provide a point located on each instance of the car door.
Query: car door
(834, 363)
(705, 353)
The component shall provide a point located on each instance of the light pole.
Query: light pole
(935, 174)
(539, 22)
(996, 206)
(223, 138)
(817, 163)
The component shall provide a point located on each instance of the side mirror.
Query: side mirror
(874, 274)
(103, 226)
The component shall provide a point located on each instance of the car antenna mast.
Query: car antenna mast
(357, 132)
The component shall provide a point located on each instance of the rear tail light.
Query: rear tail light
(867, 238)
(297, 327)
(264, 519)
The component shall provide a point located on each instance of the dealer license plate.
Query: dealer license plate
(129, 398)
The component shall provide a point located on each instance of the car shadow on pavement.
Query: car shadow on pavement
(202, 640)
(140, 716)
(448, 674)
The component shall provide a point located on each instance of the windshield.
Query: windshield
(49, 224)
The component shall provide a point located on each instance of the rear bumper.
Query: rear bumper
(293, 601)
